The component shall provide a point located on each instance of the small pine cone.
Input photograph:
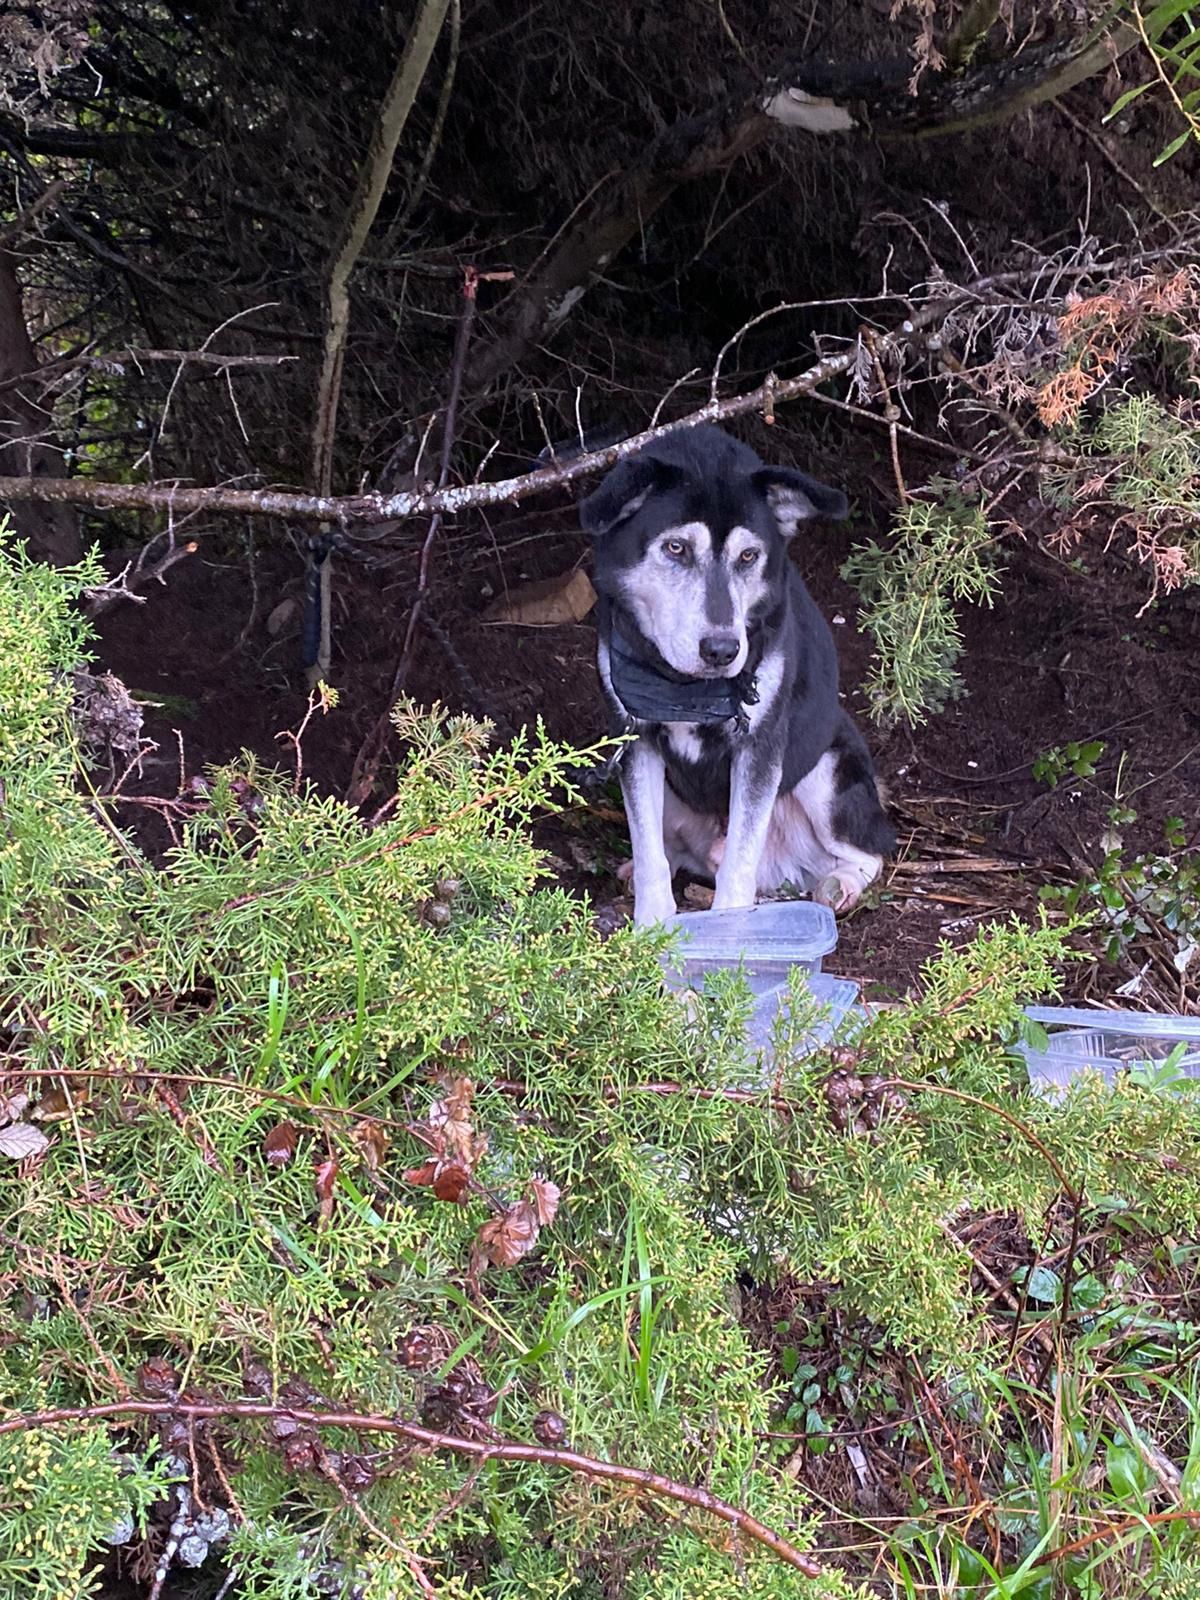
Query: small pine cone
(436, 913)
(869, 1115)
(844, 1057)
(284, 1427)
(479, 1399)
(550, 1429)
(447, 889)
(256, 1376)
(440, 1408)
(157, 1378)
(415, 1350)
(357, 1474)
(837, 1090)
(302, 1451)
(297, 1391)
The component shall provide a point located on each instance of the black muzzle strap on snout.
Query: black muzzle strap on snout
(656, 694)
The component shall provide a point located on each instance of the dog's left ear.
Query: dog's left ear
(794, 497)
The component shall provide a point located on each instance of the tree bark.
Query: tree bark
(26, 425)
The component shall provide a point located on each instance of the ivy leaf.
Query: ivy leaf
(1044, 1286)
(20, 1140)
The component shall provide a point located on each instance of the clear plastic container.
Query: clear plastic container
(765, 940)
(1108, 1042)
(840, 995)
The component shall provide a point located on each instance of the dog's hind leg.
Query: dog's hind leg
(643, 784)
(841, 804)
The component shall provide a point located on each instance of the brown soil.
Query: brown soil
(1062, 657)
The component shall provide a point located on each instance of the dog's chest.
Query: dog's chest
(698, 762)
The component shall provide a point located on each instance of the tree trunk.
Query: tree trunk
(26, 425)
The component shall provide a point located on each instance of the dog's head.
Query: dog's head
(690, 538)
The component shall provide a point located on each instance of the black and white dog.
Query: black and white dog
(746, 770)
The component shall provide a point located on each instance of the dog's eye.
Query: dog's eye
(675, 548)
(748, 558)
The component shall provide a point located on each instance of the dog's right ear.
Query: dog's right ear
(625, 490)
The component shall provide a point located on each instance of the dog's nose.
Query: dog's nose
(719, 649)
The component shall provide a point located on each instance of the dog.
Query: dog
(745, 769)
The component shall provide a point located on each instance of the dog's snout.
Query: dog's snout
(719, 649)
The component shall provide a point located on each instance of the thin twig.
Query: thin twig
(1115, 1530)
(891, 413)
(914, 1086)
(462, 343)
(360, 215)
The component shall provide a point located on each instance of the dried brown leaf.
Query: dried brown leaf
(20, 1140)
(451, 1183)
(327, 1172)
(11, 1106)
(372, 1140)
(547, 602)
(280, 1144)
(450, 1118)
(545, 1197)
(505, 1239)
(280, 616)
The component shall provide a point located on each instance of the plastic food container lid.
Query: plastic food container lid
(782, 931)
(1142, 1024)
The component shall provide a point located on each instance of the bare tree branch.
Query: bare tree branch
(369, 509)
(651, 1483)
(356, 226)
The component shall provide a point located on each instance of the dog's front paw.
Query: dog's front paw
(653, 903)
(733, 897)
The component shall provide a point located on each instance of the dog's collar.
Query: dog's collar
(659, 694)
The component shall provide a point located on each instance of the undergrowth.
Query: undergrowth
(1102, 426)
(317, 1117)
(942, 553)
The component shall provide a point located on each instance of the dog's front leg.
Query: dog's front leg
(643, 784)
(753, 787)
